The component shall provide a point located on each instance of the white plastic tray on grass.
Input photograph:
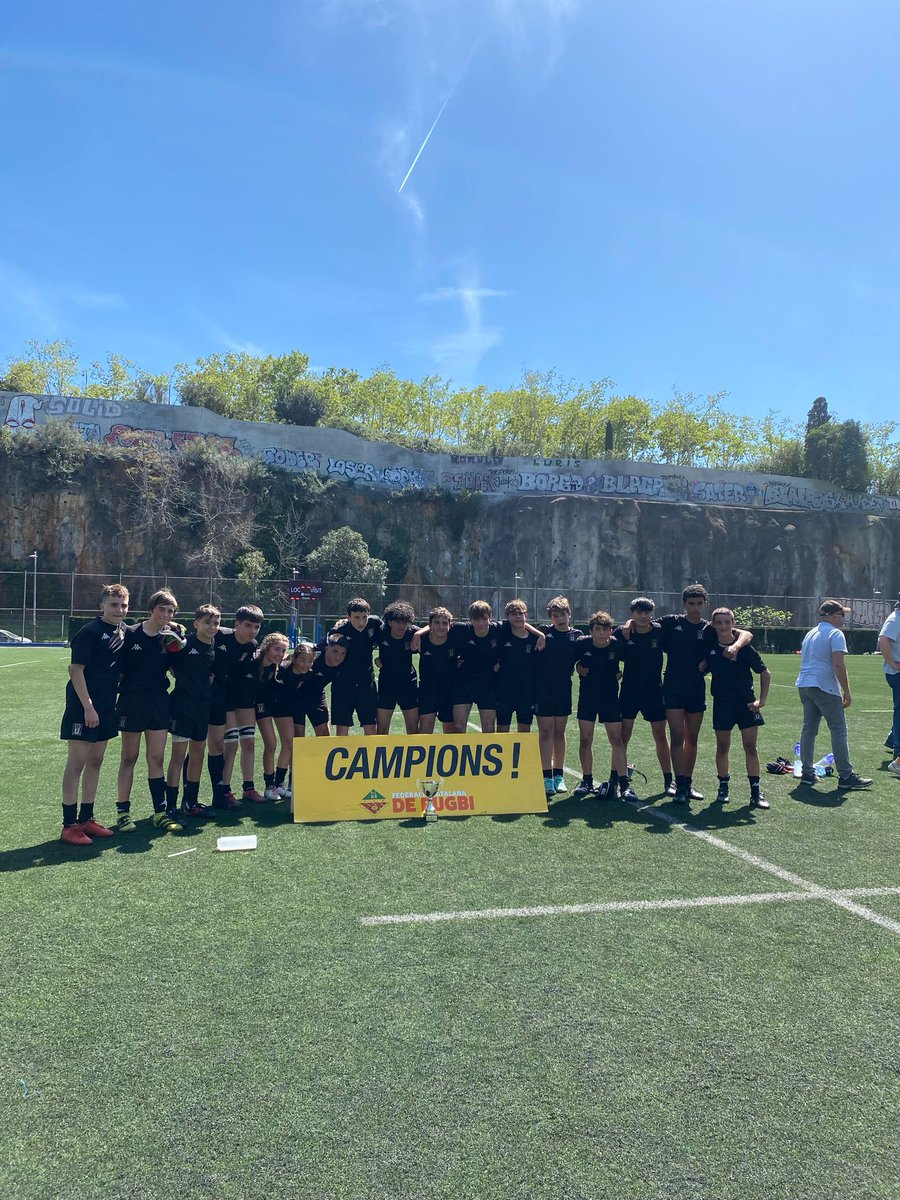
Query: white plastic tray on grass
(246, 841)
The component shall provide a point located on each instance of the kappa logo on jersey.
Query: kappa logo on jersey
(136, 647)
(193, 651)
(221, 648)
(105, 637)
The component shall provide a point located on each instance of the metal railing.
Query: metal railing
(38, 605)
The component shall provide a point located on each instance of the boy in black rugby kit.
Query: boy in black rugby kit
(686, 638)
(641, 690)
(89, 719)
(515, 679)
(553, 691)
(305, 679)
(597, 661)
(144, 710)
(232, 707)
(192, 667)
(437, 671)
(354, 690)
(478, 645)
(397, 683)
(735, 704)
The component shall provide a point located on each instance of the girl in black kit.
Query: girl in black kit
(270, 713)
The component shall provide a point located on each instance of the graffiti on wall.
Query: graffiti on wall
(161, 427)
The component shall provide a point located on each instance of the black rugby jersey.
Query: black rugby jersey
(479, 655)
(555, 663)
(517, 659)
(192, 668)
(732, 679)
(437, 665)
(686, 645)
(232, 657)
(360, 647)
(144, 663)
(642, 658)
(97, 646)
(396, 656)
(603, 666)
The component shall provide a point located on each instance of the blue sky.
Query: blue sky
(701, 196)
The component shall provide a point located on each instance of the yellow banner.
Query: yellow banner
(361, 778)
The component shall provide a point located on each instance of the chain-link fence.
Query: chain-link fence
(38, 605)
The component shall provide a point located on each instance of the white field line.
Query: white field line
(842, 900)
(20, 663)
(553, 910)
(179, 852)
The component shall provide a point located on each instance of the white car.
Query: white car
(6, 636)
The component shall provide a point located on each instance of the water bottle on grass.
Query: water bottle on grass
(798, 761)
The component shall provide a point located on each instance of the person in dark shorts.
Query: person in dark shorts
(734, 703)
(273, 715)
(192, 667)
(354, 691)
(515, 679)
(89, 719)
(437, 671)
(144, 710)
(597, 660)
(477, 644)
(308, 675)
(232, 712)
(397, 683)
(641, 690)
(553, 691)
(686, 638)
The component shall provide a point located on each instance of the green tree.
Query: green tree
(50, 369)
(343, 557)
(818, 415)
(302, 405)
(253, 568)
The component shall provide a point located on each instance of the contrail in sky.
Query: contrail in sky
(438, 117)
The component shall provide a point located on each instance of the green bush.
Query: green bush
(761, 614)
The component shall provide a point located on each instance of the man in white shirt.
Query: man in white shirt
(825, 692)
(889, 647)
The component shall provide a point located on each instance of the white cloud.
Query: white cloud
(44, 307)
(461, 352)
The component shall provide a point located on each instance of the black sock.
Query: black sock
(727, 779)
(70, 815)
(123, 806)
(549, 773)
(191, 792)
(624, 783)
(215, 765)
(249, 785)
(754, 784)
(587, 781)
(158, 793)
(681, 782)
(667, 778)
(269, 778)
(171, 797)
(87, 812)
(280, 775)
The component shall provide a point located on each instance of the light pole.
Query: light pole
(34, 599)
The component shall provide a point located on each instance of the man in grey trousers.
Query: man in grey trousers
(825, 692)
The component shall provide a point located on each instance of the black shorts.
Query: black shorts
(728, 713)
(480, 692)
(519, 706)
(189, 725)
(218, 713)
(688, 694)
(431, 702)
(647, 701)
(241, 697)
(599, 708)
(73, 728)
(554, 702)
(396, 694)
(139, 713)
(349, 696)
(316, 712)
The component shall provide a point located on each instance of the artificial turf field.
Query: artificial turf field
(225, 1025)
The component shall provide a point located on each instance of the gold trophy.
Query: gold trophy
(429, 789)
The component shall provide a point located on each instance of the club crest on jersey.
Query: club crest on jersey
(76, 730)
